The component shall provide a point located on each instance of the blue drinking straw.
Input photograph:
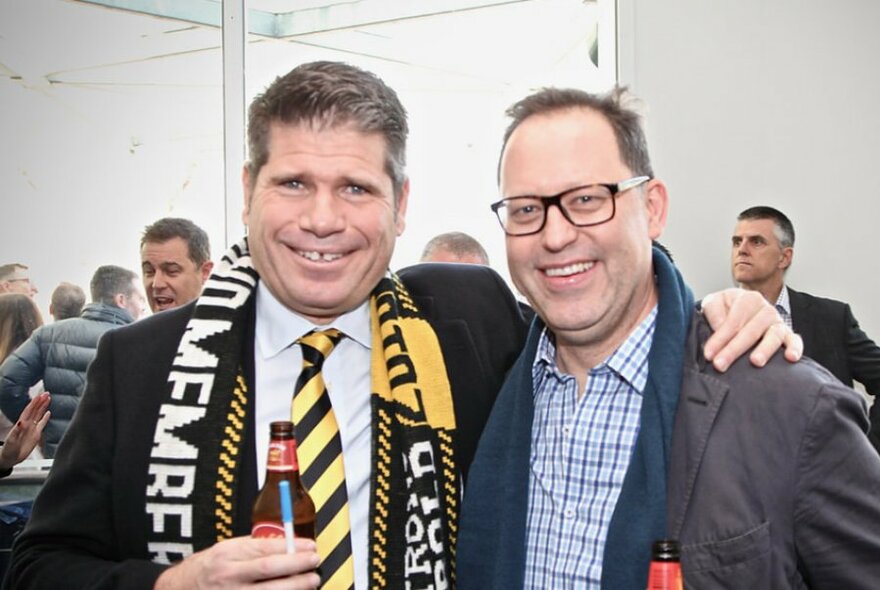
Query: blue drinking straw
(286, 514)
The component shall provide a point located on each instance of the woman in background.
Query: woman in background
(19, 316)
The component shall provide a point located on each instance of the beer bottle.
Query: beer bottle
(282, 464)
(665, 569)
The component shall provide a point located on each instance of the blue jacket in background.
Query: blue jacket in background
(59, 354)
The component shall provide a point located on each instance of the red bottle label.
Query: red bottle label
(267, 530)
(665, 575)
(282, 456)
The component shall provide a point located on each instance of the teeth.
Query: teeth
(316, 256)
(569, 270)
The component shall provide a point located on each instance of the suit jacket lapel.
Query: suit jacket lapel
(800, 312)
(700, 400)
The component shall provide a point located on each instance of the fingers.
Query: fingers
(726, 315)
(741, 341)
(242, 562)
(41, 423)
(772, 340)
(794, 346)
(298, 568)
(743, 319)
(36, 408)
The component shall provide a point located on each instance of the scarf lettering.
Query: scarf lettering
(424, 528)
(176, 455)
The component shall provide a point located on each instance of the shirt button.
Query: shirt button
(569, 513)
(566, 430)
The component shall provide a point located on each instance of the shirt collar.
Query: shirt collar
(629, 361)
(278, 327)
(783, 300)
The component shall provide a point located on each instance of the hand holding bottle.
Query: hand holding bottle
(245, 562)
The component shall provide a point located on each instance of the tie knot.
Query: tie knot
(321, 341)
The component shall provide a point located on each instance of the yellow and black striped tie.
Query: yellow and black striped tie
(319, 449)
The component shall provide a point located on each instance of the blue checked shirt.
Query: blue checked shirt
(581, 449)
(783, 306)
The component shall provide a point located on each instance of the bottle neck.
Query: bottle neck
(282, 455)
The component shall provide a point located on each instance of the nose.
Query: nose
(558, 231)
(159, 280)
(323, 214)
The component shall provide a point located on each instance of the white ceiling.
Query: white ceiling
(460, 42)
(112, 111)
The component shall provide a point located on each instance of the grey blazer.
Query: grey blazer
(772, 481)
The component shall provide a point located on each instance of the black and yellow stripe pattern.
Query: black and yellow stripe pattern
(229, 447)
(319, 449)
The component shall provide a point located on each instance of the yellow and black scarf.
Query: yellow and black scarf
(415, 486)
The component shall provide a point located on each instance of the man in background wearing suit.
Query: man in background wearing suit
(762, 251)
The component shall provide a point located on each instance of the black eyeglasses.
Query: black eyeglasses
(582, 206)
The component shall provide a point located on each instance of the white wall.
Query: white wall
(765, 102)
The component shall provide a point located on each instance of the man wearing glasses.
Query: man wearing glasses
(14, 279)
(613, 431)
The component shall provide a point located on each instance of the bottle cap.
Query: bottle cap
(666, 550)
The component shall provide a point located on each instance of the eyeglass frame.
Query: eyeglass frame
(614, 188)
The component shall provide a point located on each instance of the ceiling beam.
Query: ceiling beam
(295, 23)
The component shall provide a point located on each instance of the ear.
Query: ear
(400, 214)
(207, 267)
(119, 300)
(787, 255)
(246, 191)
(657, 204)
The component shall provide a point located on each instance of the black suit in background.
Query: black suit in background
(833, 338)
(88, 528)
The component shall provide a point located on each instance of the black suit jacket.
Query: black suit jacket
(833, 338)
(88, 527)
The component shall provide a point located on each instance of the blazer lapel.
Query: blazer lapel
(698, 406)
(800, 312)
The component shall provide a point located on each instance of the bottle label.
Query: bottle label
(282, 455)
(267, 530)
(665, 575)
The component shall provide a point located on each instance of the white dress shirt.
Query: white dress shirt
(346, 372)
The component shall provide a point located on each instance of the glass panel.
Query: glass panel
(113, 114)
(111, 119)
(456, 69)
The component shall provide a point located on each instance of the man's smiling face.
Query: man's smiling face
(321, 218)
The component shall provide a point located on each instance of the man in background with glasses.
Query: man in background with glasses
(14, 279)
(612, 430)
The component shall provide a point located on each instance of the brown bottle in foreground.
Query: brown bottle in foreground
(282, 464)
(665, 569)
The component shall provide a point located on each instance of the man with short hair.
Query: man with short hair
(175, 262)
(388, 378)
(67, 301)
(59, 353)
(761, 254)
(612, 431)
(14, 279)
(454, 246)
